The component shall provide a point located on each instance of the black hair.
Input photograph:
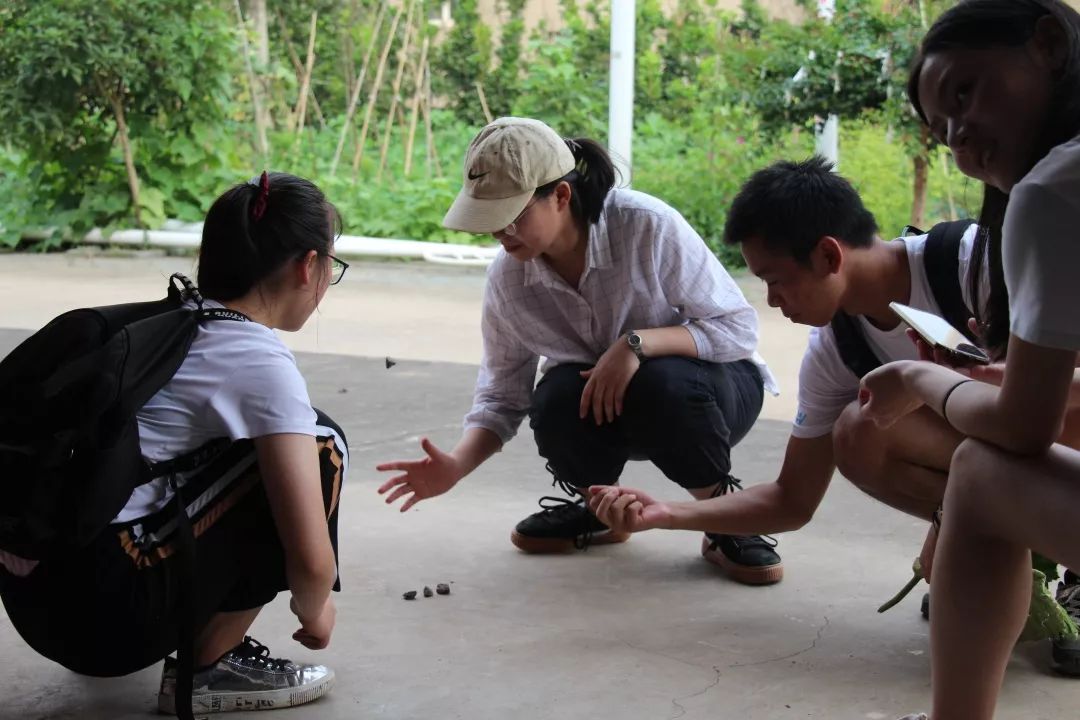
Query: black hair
(792, 205)
(979, 25)
(243, 244)
(590, 181)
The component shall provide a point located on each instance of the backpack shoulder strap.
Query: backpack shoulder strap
(941, 259)
(854, 351)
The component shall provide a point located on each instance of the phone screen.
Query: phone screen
(940, 334)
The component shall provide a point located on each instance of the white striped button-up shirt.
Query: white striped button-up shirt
(645, 267)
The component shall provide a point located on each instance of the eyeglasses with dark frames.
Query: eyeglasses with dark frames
(338, 269)
(511, 230)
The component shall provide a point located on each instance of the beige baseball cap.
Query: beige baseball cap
(505, 163)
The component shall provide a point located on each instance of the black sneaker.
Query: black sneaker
(747, 559)
(247, 678)
(562, 526)
(1066, 651)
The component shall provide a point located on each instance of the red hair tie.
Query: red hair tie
(259, 209)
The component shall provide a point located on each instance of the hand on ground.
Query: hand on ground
(315, 634)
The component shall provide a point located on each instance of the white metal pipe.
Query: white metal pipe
(346, 246)
(621, 86)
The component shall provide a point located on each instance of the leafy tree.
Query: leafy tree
(505, 78)
(854, 67)
(462, 60)
(79, 76)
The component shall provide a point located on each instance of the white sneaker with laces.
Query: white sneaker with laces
(247, 678)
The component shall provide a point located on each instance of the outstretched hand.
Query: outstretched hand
(624, 510)
(420, 479)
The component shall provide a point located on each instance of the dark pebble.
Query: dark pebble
(411, 595)
(442, 589)
(427, 591)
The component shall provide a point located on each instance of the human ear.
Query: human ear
(307, 268)
(563, 193)
(1050, 45)
(828, 256)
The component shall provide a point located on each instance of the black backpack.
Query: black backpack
(941, 258)
(69, 440)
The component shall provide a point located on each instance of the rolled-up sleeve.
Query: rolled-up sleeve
(723, 324)
(504, 384)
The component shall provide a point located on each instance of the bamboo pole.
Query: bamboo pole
(262, 144)
(373, 96)
(301, 110)
(483, 101)
(432, 151)
(418, 89)
(351, 109)
(396, 87)
(299, 69)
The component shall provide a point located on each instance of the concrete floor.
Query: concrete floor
(642, 630)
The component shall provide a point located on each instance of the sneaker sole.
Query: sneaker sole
(1065, 662)
(744, 574)
(551, 546)
(263, 700)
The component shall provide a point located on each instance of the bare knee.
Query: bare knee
(973, 480)
(858, 449)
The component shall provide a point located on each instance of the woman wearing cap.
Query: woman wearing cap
(649, 345)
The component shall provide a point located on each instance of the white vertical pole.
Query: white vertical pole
(828, 140)
(828, 136)
(621, 86)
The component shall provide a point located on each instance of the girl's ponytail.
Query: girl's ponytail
(591, 179)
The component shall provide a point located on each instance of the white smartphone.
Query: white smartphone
(939, 334)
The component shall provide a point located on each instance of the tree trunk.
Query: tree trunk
(116, 100)
(301, 111)
(262, 57)
(261, 142)
(921, 166)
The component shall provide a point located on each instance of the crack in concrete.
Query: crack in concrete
(679, 707)
(808, 648)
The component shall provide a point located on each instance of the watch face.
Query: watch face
(634, 339)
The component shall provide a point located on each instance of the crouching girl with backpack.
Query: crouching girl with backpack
(262, 514)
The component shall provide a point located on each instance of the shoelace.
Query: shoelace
(252, 653)
(729, 485)
(557, 508)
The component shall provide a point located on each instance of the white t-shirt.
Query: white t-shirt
(827, 385)
(238, 381)
(1040, 249)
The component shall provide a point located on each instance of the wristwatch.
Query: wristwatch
(634, 341)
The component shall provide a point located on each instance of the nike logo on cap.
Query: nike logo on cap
(476, 176)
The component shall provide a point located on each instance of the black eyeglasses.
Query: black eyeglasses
(338, 269)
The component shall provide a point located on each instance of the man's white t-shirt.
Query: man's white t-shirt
(238, 381)
(827, 385)
(1040, 249)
